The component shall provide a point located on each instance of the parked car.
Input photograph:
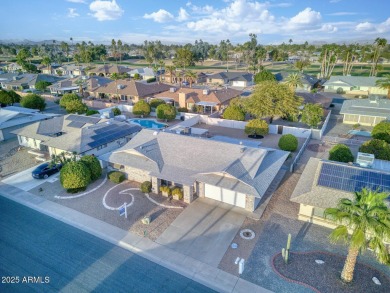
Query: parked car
(45, 170)
(186, 83)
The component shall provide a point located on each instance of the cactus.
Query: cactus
(286, 251)
(288, 241)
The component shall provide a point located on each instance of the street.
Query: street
(41, 254)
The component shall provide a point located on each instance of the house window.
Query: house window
(351, 118)
(123, 98)
(101, 146)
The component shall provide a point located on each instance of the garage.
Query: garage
(225, 195)
(239, 83)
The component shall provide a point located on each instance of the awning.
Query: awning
(210, 104)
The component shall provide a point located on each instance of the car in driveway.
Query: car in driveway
(45, 170)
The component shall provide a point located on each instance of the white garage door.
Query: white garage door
(238, 83)
(225, 195)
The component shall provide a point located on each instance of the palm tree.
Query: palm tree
(293, 80)
(190, 76)
(80, 83)
(367, 218)
(172, 71)
(379, 44)
(384, 84)
(46, 61)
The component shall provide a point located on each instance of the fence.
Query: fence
(300, 153)
(318, 133)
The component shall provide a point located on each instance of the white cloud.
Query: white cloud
(105, 10)
(305, 17)
(77, 1)
(183, 15)
(342, 13)
(72, 13)
(369, 27)
(159, 16)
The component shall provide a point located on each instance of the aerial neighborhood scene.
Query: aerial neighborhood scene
(195, 146)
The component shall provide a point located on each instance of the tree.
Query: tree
(116, 111)
(46, 61)
(348, 57)
(341, 153)
(76, 106)
(14, 96)
(166, 112)
(382, 131)
(234, 112)
(379, 148)
(384, 84)
(42, 85)
(366, 216)
(22, 56)
(270, 99)
(141, 108)
(172, 72)
(184, 58)
(190, 76)
(288, 142)
(5, 98)
(264, 75)
(293, 80)
(33, 101)
(75, 176)
(378, 45)
(256, 127)
(312, 114)
(154, 103)
(137, 76)
(93, 165)
(329, 57)
(301, 64)
(67, 98)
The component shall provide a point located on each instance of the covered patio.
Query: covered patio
(204, 104)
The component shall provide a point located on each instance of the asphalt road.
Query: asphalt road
(41, 254)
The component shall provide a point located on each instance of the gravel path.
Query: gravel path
(326, 277)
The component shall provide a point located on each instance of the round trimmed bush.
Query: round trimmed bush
(341, 153)
(256, 127)
(93, 165)
(116, 111)
(91, 112)
(288, 142)
(116, 176)
(382, 131)
(166, 112)
(75, 175)
(141, 108)
(67, 98)
(146, 186)
(379, 148)
(33, 101)
(234, 112)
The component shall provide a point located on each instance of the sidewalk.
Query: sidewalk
(200, 272)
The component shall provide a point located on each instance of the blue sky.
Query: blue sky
(134, 21)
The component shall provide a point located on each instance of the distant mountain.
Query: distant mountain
(27, 42)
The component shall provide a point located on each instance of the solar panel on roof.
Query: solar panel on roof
(76, 124)
(352, 179)
(103, 138)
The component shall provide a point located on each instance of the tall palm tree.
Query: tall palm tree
(190, 76)
(367, 217)
(46, 61)
(293, 80)
(384, 84)
(172, 71)
(379, 44)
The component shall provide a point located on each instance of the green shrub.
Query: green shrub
(75, 175)
(356, 126)
(234, 112)
(33, 101)
(141, 108)
(382, 131)
(177, 192)
(67, 98)
(256, 127)
(340, 91)
(152, 79)
(146, 186)
(93, 165)
(166, 112)
(182, 109)
(288, 142)
(75, 190)
(154, 103)
(91, 112)
(166, 189)
(116, 111)
(116, 176)
(341, 153)
(379, 148)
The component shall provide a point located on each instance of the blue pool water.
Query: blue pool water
(359, 132)
(146, 123)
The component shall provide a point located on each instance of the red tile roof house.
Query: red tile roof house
(127, 90)
(188, 97)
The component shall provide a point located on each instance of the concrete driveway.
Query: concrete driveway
(204, 230)
(23, 180)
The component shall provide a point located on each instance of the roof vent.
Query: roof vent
(120, 86)
(365, 160)
(205, 91)
(155, 133)
(172, 89)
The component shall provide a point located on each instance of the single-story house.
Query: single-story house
(51, 69)
(179, 76)
(323, 183)
(8, 76)
(14, 67)
(106, 70)
(72, 85)
(70, 70)
(309, 82)
(354, 85)
(84, 135)
(188, 97)
(231, 173)
(128, 90)
(145, 73)
(315, 98)
(368, 112)
(12, 118)
(238, 79)
(28, 81)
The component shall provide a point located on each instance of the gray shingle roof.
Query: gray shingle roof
(368, 81)
(185, 159)
(380, 107)
(305, 78)
(232, 76)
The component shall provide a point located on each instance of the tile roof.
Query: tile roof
(368, 107)
(184, 159)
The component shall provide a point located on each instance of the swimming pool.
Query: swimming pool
(147, 123)
(359, 132)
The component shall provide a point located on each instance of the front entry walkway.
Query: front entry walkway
(204, 230)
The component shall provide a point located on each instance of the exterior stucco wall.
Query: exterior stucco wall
(250, 203)
(137, 174)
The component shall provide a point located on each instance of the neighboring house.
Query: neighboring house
(107, 70)
(188, 97)
(51, 69)
(238, 79)
(128, 90)
(14, 67)
(145, 73)
(323, 183)
(226, 172)
(354, 85)
(368, 112)
(83, 135)
(6, 77)
(179, 76)
(70, 70)
(72, 85)
(13, 118)
(309, 82)
(28, 81)
(295, 58)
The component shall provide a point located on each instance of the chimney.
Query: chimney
(182, 100)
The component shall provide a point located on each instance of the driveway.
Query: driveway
(204, 230)
(23, 180)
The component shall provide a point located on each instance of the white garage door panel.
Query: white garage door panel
(225, 195)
